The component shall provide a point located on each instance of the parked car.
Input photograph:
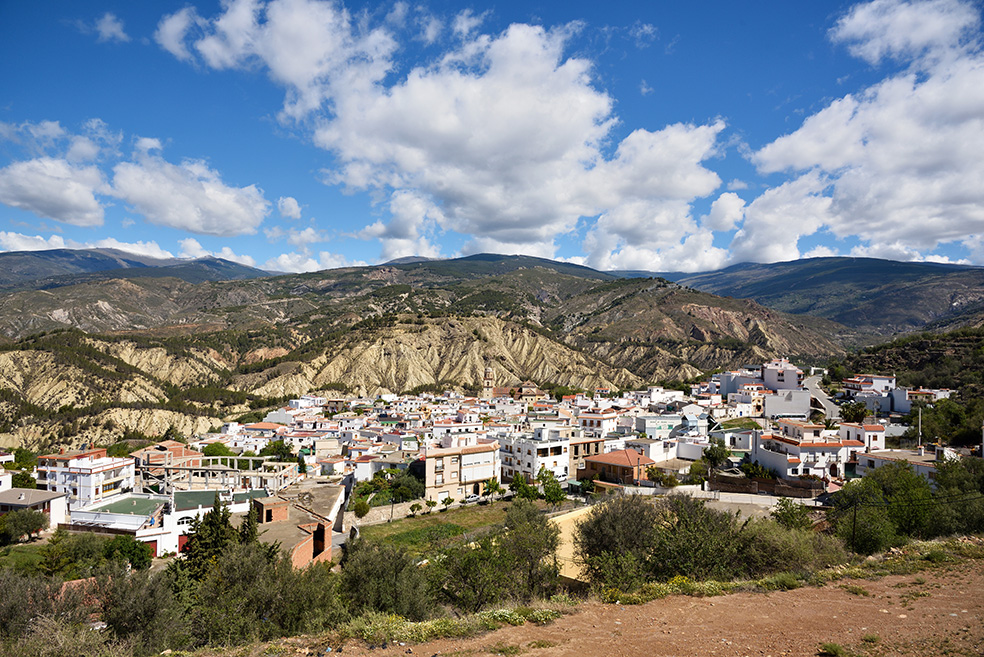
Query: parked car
(471, 498)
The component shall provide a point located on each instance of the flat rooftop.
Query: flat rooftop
(132, 506)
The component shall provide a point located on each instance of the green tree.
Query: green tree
(854, 412)
(72, 556)
(361, 508)
(716, 454)
(553, 492)
(217, 449)
(430, 505)
(522, 489)
(249, 529)
(530, 542)
(692, 540)
(301, 465)
(908, 498)
(280, 450)
(492, 488)
(23, 522)
(859, 517)
(143, 611)
(379, 577)
(620, 529)
(210, 535)
(469, 576)
(447, 502)
(127, 549)
(791, 515)
(23, 480)
(415, 508)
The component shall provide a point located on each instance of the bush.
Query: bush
(377, 577)
(791, 515)
(768, 547)
(622, 529)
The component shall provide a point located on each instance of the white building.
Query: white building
(780, 374)
(810, 454)
(872, 435)
(87, 477)
(525, 453)
(869, 383)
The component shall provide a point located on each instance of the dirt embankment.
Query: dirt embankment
(936, 612)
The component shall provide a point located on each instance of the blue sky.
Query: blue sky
(297, 135)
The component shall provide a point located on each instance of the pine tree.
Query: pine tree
(209, 536)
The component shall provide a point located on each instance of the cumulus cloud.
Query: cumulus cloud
(110, 28)
(18, 242)
(54, 188)
(173, 30)
(727, 211)
(288, 207)
(309, 46)
(900, 159)
(192, 248)
(906, 30)
(776, 220)
(503, 139)
(466, 22)
(304, 262)
(189, 196)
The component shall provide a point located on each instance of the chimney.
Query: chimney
(61, 450)
(20, 498)
(922, 451)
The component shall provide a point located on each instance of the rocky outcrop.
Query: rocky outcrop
(454, 351)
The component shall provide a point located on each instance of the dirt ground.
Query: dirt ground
(935, 612)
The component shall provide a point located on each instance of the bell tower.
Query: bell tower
(488, 383)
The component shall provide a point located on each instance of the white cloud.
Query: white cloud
(289, 207)
(148, 144)
(503, 138)
(431, 29)
(727, 211)
(18, 242)
(645, 89)
(191, 248)
(906, 30)
(151, 249)
(189, 196)
(776, 220)
(110, 28)
(643, 33)
(173, 30)
(414, 218)
(901, 158)
(821, 251)
(466, 22)
(54, 188)
(304, 262)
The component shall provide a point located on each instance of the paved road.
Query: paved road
(831, 410)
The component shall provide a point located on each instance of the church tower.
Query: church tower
(488, 383)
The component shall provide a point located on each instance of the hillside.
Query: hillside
(868, 294)
(220, 349)
(44, 269)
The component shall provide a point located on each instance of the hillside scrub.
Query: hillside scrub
(632, 540)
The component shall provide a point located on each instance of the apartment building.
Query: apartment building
(87, 476)
(460, 466)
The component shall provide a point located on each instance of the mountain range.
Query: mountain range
(98, 343)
